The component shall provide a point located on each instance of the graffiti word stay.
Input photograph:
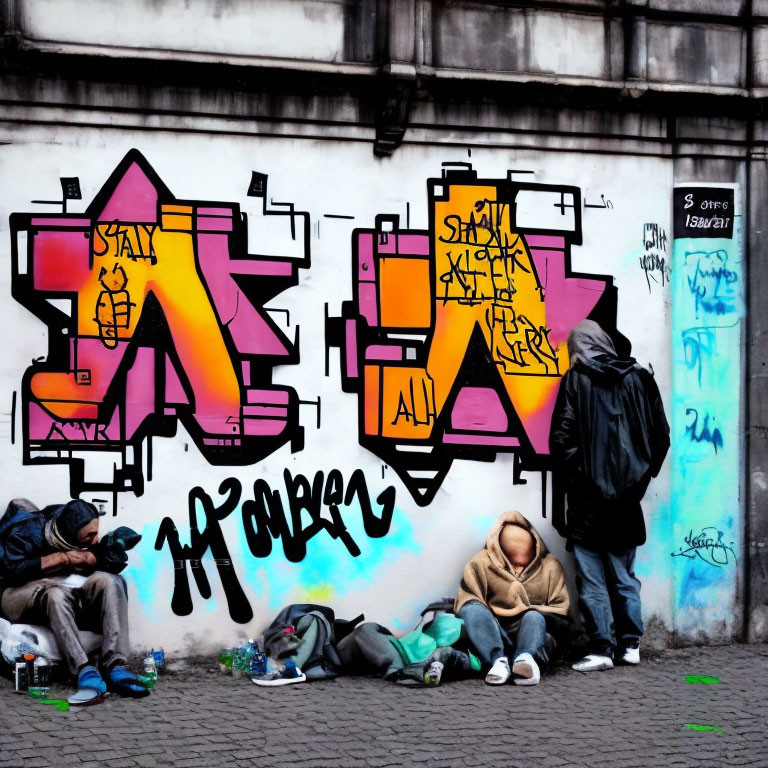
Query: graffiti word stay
(130, 241)
(703, 434)
(267, 516)
(707, 546)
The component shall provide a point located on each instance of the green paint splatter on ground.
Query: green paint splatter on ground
(701, 679)
(699, 727)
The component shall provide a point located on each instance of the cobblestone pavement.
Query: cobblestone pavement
(625, 717)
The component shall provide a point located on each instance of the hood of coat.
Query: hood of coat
(496, 553)
(69, 518)
(591, 349)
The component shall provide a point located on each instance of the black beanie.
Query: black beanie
(72, 516)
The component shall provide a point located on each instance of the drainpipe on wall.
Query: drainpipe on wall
(397, 74)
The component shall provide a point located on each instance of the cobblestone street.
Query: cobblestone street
(627, 717)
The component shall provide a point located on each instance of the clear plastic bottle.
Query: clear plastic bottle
(150, 666)
(42, 671)
(240, 659)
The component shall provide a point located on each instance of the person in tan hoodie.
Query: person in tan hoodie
(513, 599)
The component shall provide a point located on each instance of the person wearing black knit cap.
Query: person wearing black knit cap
(38, 550)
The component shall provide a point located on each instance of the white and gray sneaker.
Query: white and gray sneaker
(631, 656)
(499, 673)
(526, 670)
(593, 663)
(434, 673)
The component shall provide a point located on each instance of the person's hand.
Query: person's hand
(81, 560)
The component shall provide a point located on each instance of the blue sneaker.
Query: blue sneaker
(284, 674)
(90, 678)
(124, 682)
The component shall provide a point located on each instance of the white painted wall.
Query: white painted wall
(423, 555)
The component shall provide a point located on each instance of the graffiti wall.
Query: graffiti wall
(155, 315)
(708, 286)
(306, 374)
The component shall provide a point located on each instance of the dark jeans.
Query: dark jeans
(609, 596)
(492, 637)
(100, 605)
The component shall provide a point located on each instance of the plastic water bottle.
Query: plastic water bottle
(42, 672)
(159, 657)
(225, 660)
(150, 666)
(259, 664)
(240, 659)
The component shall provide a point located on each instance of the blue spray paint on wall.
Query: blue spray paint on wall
(326, 574)
(707, 309)
(297, 537)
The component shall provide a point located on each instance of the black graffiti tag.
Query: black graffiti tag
(707, 546)
(264, 520)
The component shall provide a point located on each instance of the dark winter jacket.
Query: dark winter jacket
(23, 543)
(609, 437)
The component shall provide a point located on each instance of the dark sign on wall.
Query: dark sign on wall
(703, 212)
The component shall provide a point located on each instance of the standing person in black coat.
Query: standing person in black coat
(609, 437)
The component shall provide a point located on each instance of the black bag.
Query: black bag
(312, 643)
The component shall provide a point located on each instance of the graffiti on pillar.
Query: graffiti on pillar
(707, 318)
(156, 314)
(455, 337)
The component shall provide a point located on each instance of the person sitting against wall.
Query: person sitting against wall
(514, 602)
(38, 548)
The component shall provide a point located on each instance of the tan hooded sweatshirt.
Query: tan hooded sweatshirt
(488, 577)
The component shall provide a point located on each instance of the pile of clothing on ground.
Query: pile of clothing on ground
(306, 642)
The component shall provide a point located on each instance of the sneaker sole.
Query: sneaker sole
(84, 700)
(601, 668)
(522, 670)
(279, 681)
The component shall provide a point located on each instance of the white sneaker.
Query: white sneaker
(593, 663)
(526, 670)
(434, 673)
(499, 673)
(631, 656)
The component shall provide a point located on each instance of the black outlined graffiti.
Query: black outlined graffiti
(155, 310)
(456, 329)
(267, 516)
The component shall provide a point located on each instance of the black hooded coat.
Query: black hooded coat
(609, 437)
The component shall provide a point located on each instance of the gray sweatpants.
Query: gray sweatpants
(99, 605)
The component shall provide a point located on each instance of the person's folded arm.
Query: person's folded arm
(22, 564)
